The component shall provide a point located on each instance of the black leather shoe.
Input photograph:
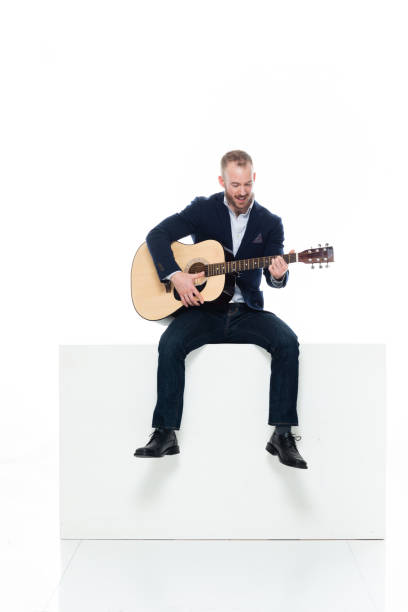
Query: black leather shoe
(284, 446)
(162, 442)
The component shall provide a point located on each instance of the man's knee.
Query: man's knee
(170, 344)
(288, 342)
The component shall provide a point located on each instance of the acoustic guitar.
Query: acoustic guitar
(154, 299)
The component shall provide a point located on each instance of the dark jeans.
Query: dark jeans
(236, 323)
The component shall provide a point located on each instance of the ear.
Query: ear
(221, 181)
(254, 176)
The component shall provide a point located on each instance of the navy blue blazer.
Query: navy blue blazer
(208, 219)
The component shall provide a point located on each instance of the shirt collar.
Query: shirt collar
(245, 214)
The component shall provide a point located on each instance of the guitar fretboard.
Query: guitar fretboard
(240, 265)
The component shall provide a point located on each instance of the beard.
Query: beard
(232, 202)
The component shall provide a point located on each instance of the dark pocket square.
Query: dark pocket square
(258, 238)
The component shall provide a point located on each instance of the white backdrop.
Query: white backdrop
(145, 137)
(115, 114)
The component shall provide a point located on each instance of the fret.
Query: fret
(240, 265)
(255, 263)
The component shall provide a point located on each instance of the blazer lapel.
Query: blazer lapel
(251, 230)
(225, 222)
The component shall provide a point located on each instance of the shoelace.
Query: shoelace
(292, 438)
(153, 434)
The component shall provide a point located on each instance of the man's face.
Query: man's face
(238, 182)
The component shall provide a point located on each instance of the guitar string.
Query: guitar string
(228, 266)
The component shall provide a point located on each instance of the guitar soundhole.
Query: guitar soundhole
(195, 268)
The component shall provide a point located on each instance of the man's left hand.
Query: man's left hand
(279, 266)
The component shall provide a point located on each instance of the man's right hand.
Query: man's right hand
(184, 283)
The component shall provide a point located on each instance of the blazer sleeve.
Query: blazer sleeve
(274, 246)
(159, 239)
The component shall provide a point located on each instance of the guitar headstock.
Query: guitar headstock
(320, 255)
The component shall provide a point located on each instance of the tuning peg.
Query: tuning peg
(312, 267)
(320, 265)
(319, 245)
(327, 244)
(327, 265)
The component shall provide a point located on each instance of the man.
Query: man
(246, 228)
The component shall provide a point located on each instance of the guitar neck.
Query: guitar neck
(240, 265)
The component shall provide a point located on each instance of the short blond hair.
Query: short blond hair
(239, 157)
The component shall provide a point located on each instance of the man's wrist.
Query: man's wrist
(277, 282)
(168, 277)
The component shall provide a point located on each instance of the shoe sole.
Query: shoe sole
(173, 450)
(271, 449)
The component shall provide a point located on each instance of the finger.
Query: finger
(187, 299)
(278, 267)
(199, 296)
(196, 300)
(192, 299)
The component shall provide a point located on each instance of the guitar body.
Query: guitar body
(155, 300)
